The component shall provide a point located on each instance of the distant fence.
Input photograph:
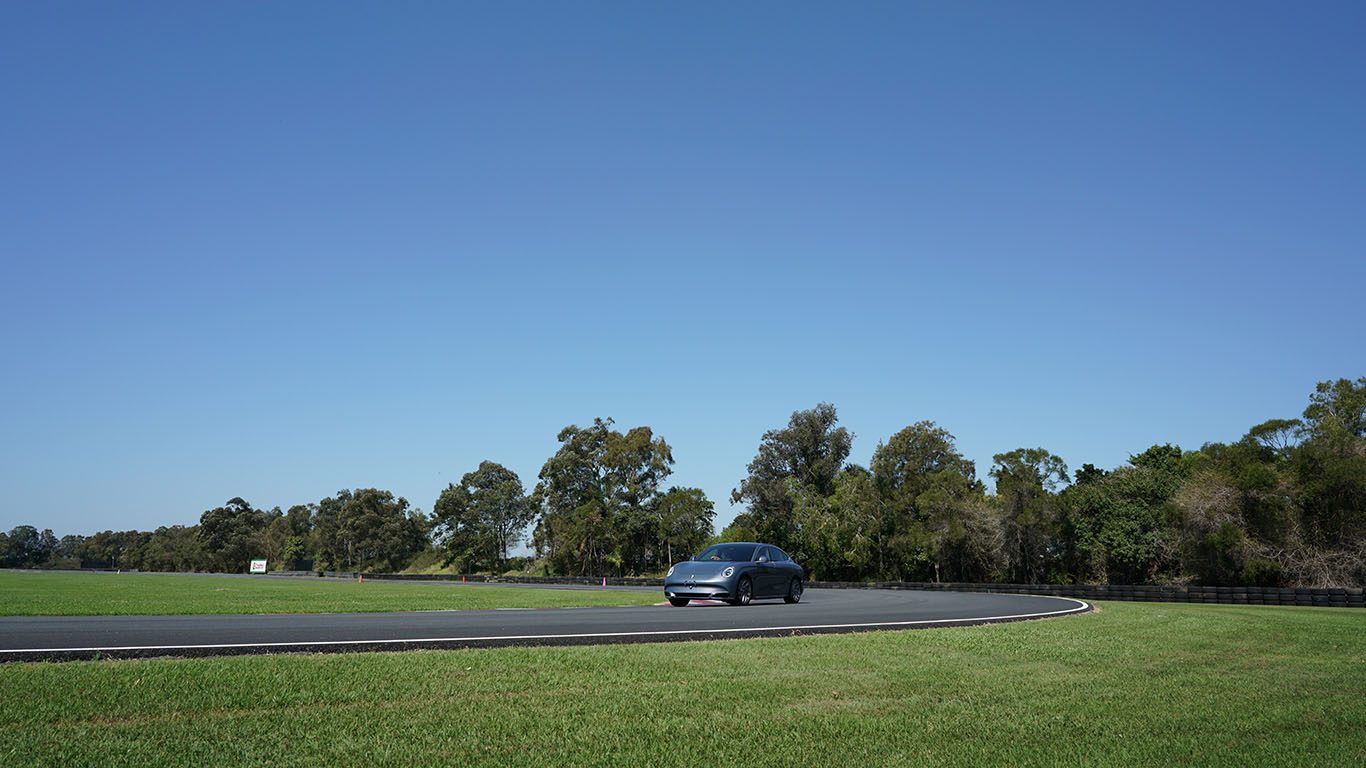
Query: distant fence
(1348, 597)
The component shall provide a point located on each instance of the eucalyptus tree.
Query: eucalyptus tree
(173, 548)
(231, 534)
(685, 518)
(1027, 481)
(804, 457)
(838, 535)
(478, 521)
(595, 496)
(369, 529)
(926, 487)
(1330, 467)
(25, 547)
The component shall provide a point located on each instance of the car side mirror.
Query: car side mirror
(763, 558)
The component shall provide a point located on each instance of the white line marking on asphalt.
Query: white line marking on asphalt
(1081, 606)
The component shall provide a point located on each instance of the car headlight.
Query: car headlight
(670, 573)
(726, 574)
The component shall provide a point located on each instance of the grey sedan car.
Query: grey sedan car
(737, 573)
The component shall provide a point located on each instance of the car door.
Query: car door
(767, 573)
(783, 570)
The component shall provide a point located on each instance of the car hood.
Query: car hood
(701, 569)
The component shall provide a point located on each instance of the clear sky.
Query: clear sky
(272, 250)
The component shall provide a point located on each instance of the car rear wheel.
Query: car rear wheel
(744, 592)
(794, 591)
(678, 602)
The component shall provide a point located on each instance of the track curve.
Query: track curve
(27, 638)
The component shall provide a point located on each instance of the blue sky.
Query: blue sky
(275, 250)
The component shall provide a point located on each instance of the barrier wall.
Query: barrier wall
(1327, 598)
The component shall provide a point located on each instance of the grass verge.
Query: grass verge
(1135, 684)
(28, 593)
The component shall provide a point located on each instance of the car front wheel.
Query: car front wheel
(794, 592)
(744, 591)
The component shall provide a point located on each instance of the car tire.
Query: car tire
(794, 591)
(678, 602)
(744, 591)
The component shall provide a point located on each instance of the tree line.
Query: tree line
(599, 507)
(1283, 506)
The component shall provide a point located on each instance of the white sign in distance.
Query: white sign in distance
(258, 566)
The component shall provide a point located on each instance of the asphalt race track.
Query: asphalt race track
(30, 638)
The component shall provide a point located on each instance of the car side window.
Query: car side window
(766, 552)
(778, 555)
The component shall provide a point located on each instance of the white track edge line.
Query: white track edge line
(1081, 606)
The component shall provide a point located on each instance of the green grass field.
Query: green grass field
(1135, 684)
(26, 593)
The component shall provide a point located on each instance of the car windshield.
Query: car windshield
(731, 553)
